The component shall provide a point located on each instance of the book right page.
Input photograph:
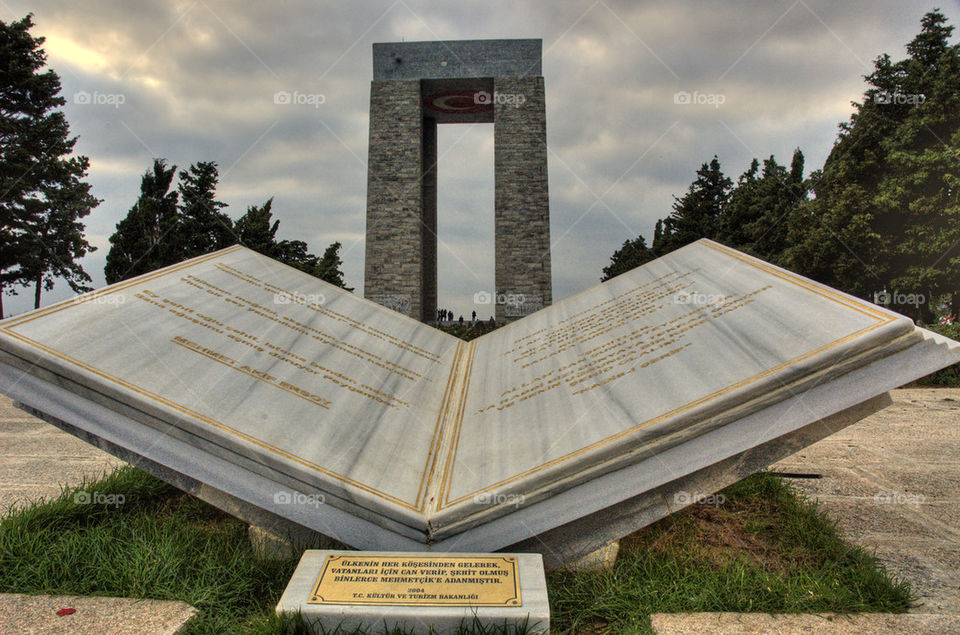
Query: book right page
(652, 353)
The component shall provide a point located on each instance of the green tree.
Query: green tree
(54, 234)
(661, 239)
(328, 268)
(166, 227)
(257, 230)
(697, 213)
(202, 227)
(922, 183)
(885, 215)
(39, 242)
(147, 237)
(631, 255)
(743, 209)
(761, 210)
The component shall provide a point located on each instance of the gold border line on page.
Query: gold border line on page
(434, 452)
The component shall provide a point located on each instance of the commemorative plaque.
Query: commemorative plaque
(436, 592)
(417, 580)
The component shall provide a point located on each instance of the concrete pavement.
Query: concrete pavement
(36, 458)
(50, 614)
(892, 482)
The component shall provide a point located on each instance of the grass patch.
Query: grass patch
(159, 544)
(762, 549)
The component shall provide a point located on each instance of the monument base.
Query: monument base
(287, 540)
(579, 543)
(583, 543)
(342, 591)
(601, 559)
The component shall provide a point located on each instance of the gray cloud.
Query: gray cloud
(198, 81)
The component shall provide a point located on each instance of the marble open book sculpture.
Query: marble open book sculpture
(340, 415)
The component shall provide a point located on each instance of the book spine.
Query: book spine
(451, 416)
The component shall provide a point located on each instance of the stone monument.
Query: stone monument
(417, 85)
(275, 395)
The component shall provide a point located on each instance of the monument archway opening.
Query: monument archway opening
(465, 227)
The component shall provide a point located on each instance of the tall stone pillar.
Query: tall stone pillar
(428, 221)
(394, 267)
(521, 205)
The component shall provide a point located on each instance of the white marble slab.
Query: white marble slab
(403, 427)
(842, 398)
(665, 348)
(265, 361)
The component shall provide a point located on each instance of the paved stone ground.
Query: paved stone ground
(21, 614)
(892, 481)
(35, 458)
(827, 624)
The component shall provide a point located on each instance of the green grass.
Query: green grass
(762, 549)
(158, 544)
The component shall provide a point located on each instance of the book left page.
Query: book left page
(256, 359)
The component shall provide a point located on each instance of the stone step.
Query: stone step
(27, 614)
(822, 624)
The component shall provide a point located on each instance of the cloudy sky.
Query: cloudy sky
(195, 80)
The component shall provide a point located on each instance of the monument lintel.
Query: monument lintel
(457, 59)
